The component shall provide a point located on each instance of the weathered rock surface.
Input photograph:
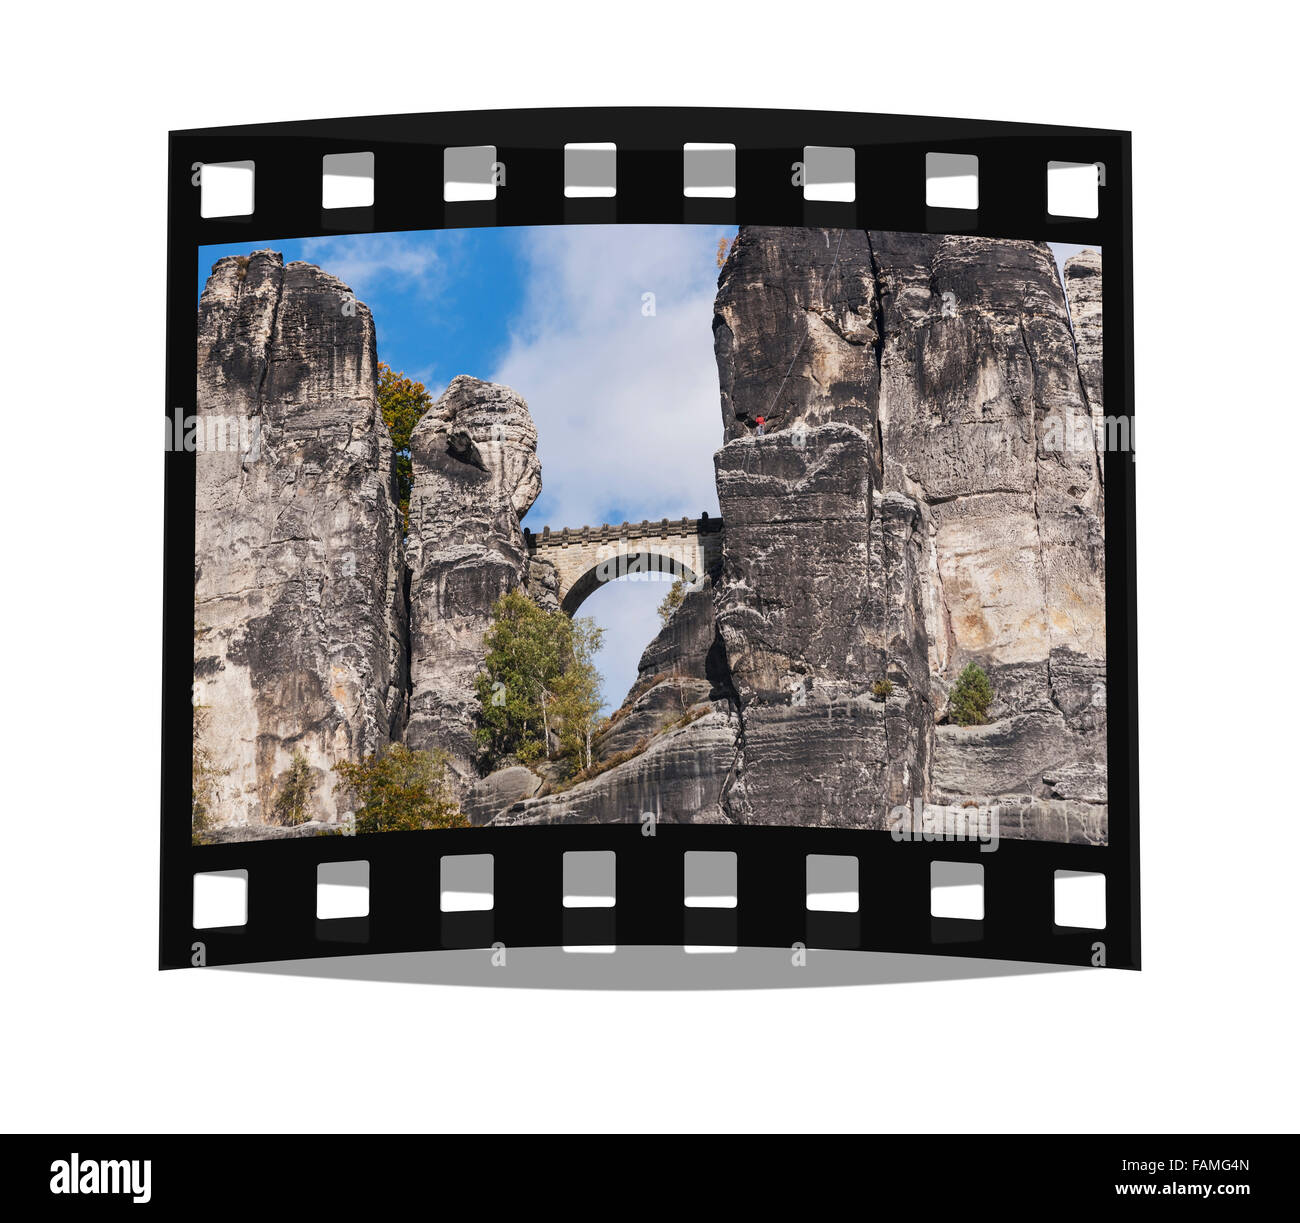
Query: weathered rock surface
(1083, 289)
(679, 778)
(497, 791)
(1022, 817)
(667, 702)
(821, 598)
(684, 644)
(977, 358)
(475, 474)
(982, 413)
(953, 367)
(228, 833)
(300, 621)
(794, 330)
(543, 584)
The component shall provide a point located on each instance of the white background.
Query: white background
(94, 1037)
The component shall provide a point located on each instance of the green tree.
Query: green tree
(539, 680)
(402, 401)
(291, 805)
(578, 695)
(401, 791)
(204, 774)
(971, 696)
(672, 600)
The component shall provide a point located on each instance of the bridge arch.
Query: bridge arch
(585, 558)
(622, 565)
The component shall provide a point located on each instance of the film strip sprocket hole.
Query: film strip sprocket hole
(890, 702)
(590, 171)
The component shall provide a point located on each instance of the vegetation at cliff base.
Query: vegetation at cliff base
(970, 698)
(204, 774)
(539, 692)
(401, 790)
(402, 401)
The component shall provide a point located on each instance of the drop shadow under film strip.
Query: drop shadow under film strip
(896, 897)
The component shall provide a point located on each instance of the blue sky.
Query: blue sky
(626, 401)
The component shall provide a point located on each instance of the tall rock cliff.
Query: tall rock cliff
(818, 601)
(475, 474)
(300, 619)
(984, 421)
(931, 410)
(795, 331)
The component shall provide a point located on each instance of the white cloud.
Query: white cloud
(374, 263)
(626, 403)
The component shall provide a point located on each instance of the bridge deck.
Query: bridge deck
(611, 533)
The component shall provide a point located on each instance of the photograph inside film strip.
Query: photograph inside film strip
(603, 524)
(559, 554)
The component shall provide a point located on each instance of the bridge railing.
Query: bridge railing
(610, 533)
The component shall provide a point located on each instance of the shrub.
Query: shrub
(203, 779)
(638, 690)
(691, 715)
(601, 766)
(291, 805)
(401, 791)
(882, 689)
(402, 401)
(970, 698)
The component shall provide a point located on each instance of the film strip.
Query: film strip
(688, 884)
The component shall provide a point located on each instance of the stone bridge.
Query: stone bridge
(588, 557)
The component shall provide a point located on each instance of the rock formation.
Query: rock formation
(984, 421)
(680, 777)
(927, 493)
(937, 387)
(1083, 291)
(475, 474)
(818, 601)
(794, 330)
(299, 619)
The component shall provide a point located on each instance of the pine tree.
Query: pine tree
(970, 698)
